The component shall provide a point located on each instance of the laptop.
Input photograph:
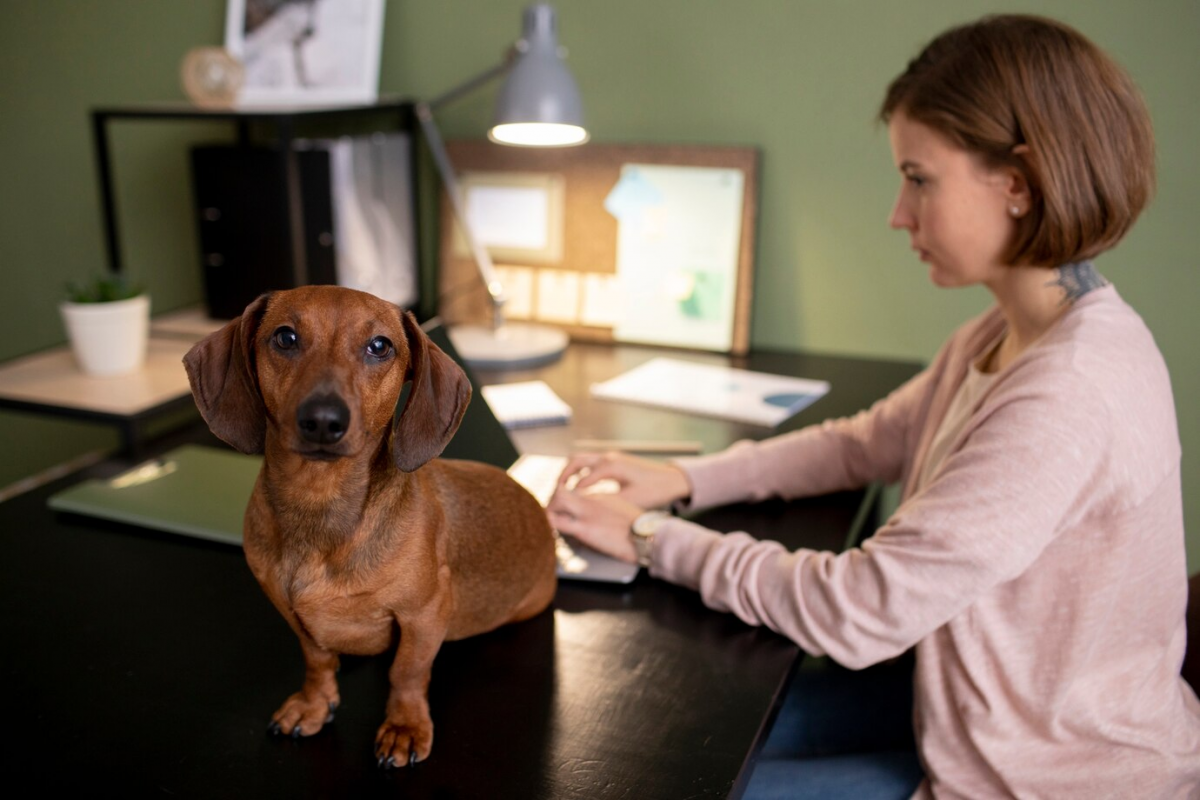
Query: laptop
(202, 491)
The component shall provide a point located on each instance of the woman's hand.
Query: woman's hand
(600, 520)
(642, 482)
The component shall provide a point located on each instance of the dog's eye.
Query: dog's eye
(379, 347)
(285, 338)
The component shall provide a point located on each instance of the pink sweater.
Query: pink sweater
(1040, 575)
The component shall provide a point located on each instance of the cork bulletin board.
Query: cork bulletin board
(643, 243)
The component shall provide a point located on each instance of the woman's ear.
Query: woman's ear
(1015, 183)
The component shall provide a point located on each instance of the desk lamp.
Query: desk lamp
(538, 106)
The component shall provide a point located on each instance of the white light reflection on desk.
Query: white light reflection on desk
(145, 473)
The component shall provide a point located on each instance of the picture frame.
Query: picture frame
(517, 216)
(306, 52)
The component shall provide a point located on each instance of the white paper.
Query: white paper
(758, 398)
(373, 236)
(526, 404)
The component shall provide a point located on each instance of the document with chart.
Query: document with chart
(758, 398)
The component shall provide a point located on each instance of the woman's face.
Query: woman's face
(958, 213)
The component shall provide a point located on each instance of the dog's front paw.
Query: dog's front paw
(303, 714)
(398, 744)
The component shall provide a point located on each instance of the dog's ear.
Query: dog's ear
(220, 369)
(437, 400)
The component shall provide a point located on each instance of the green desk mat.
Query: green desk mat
(192, 490)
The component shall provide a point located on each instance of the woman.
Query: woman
(1036, 561)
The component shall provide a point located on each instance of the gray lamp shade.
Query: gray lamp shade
(539, 105)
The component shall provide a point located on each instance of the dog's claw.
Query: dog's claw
(329, 719)
(390, 762)
(296, 732)
(332, 706)
(273, 728)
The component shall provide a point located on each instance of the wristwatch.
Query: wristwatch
(642, 531)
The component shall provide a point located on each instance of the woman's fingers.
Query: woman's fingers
(591, 468)
(600, 472)
(569, 515)
(564, 501)
(563, 522)
(577, 464)
(599, 521)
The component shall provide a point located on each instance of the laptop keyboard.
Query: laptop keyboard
(539, 475)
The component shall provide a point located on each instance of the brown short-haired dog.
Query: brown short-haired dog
(354, 529)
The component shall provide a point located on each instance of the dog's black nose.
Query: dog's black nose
(323, 419)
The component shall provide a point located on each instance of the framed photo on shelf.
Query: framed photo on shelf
(306, 52)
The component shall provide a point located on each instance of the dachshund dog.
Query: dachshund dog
(355, 530)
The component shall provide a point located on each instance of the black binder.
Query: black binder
(242, 218)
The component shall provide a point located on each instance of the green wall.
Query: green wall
(801, 80)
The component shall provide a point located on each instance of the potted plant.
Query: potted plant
(107, 321)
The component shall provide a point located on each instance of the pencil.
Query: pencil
(639, 446)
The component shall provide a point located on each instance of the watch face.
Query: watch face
(647, 523)
(643, 534)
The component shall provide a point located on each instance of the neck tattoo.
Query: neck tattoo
(1076, 280)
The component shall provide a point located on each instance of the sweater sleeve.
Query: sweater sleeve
(996, 504)
(838, 454)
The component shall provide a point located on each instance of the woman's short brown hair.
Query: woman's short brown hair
(1011, 80)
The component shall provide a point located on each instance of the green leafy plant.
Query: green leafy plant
(103, 289)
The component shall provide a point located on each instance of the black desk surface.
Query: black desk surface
(150, 664)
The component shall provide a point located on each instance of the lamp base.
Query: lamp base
(513, 345)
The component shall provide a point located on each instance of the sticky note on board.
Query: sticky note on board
(632, 194)
(518, 286)
(558, 295)
(602, 300)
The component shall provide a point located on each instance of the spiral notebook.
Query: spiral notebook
(526, 404)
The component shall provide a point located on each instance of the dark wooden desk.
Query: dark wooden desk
(856, 384)
(146, 663)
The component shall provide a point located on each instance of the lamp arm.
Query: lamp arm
(471, 84)
(483, 259)
(424, 114)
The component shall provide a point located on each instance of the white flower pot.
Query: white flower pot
(108, 338)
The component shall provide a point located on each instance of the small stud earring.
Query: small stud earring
(1014, 210)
